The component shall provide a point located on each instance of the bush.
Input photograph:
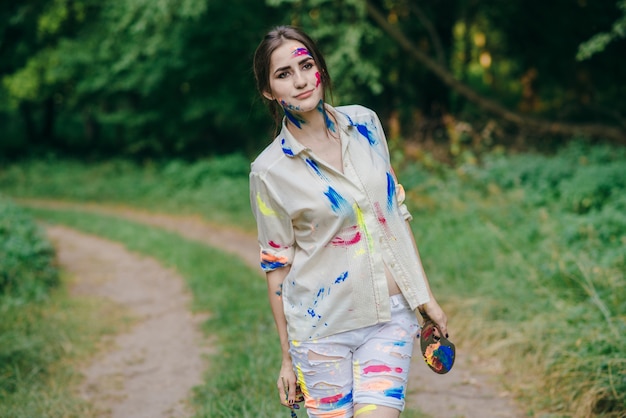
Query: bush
(27, 269)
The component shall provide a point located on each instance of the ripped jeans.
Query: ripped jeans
(364, 366)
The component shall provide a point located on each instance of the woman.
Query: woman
(343, 272)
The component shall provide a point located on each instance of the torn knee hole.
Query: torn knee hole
(312, 355)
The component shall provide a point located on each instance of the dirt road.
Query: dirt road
(468, 391)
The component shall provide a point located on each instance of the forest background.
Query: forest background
(164, 78)
(505, 120)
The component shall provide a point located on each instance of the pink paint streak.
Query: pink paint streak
(319, 79)
(379, 214)
(273, 244)
(340, 242)
(331, 399)
(381, 368)
(300, 51)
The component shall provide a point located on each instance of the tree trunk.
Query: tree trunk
(524, 122)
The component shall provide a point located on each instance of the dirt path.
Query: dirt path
(468, 391)
(150, 369)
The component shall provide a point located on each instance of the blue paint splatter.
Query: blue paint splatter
(293, 119)
(342, 277)
(391, 191)
(445, 356)
(271, 265)
(279, 292)
(366, 133)
(397, 393)
(288, 152)
(329, 122)
(337, 202)
(311, 163)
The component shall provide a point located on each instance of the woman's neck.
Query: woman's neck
(315, 125)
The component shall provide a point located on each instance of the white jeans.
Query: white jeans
(364, 366)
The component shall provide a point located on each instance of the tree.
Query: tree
(600, 41)
(513, 61)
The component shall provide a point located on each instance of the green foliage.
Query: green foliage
(27, 269)
(134, 77)
(599, 41)
(172, 78)
(533, 248)
(217, 188)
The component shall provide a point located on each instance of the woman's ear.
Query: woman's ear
(268, 96)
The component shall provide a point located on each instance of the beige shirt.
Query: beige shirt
(336, 230)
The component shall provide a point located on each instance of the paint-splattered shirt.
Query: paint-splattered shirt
(336, 230)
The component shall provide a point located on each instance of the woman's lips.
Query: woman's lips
(304, 95)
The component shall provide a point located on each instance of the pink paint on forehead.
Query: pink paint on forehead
(300, 51)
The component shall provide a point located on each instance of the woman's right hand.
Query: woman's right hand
(287, 386)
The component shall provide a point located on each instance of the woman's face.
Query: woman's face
(295, 80)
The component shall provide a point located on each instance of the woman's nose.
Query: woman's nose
(298, 80)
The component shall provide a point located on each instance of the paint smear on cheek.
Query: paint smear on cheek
(319, 79)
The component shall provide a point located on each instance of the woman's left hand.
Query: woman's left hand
(434, 311)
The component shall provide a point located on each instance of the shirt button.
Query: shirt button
(392, 265)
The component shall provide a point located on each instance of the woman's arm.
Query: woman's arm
(287, 379)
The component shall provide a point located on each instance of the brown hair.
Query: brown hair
(262, 60)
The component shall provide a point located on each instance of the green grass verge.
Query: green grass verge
(40, 342)
(551, 313)
(240, 381)
(216, 189)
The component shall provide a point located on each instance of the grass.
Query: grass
(40, 342)
(549, 312)
(240, 381)
(216, 188)
(527, 253)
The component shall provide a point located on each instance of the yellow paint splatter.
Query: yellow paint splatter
(361, 222)
(365, 409)
(265, 210)
(356, 372)
(305, 390)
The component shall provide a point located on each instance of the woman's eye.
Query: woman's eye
(307, 66)
(284, 74)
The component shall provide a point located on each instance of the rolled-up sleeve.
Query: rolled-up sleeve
(401, 196)
(275, 231)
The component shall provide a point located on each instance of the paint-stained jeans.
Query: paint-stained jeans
(364, 366)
